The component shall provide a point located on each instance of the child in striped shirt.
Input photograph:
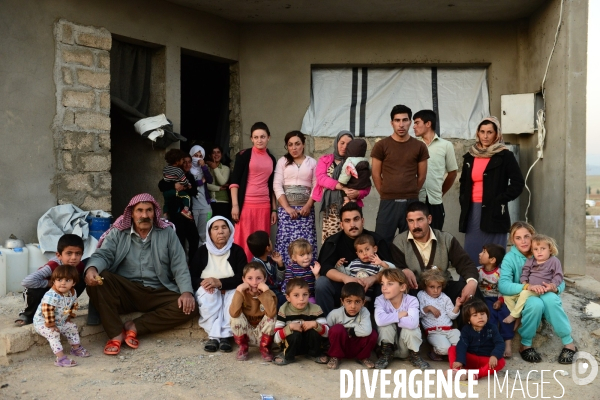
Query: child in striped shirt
(300, 252)
(173, 173)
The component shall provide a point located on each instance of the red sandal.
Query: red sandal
(131, 339)
(112, 343)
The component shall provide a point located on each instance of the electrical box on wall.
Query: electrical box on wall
(519, 112)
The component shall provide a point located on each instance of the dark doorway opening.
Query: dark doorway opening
(204, 102)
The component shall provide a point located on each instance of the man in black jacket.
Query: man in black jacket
(341, 245)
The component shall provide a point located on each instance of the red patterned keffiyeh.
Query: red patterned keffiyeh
(125, 221)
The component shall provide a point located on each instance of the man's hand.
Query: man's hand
(187, 302)
(468, 291)
(431, 309)
(412, 279)
(90, 277)
(242, 287)
(497, 305)
(368, 282)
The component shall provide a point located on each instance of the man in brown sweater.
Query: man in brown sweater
(253, 310)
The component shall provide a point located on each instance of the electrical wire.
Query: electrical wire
(541, 114)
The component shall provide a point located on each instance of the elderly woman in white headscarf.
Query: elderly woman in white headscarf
(201, 203)
(216, 272)
(490, 178)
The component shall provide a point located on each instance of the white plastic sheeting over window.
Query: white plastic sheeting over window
(360, 99)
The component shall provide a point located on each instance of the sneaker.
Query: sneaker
(416, 360)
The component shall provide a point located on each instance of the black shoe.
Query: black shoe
(224, 345)
(387, 354)
(211, 346)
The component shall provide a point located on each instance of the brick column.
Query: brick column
(82, 122)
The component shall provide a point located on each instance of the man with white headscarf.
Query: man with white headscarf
(139, 266)
(201, 203)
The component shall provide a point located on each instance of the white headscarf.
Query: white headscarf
(196, 170)
(209, 243)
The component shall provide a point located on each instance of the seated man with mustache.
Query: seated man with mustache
(421, 248)
(139, 266)
(328, 287)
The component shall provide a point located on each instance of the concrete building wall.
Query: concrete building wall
(557, 181)
(28, 94)
(275, 67)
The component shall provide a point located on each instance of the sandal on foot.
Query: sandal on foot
(433, 356)
(131, 339)
(225, 346)
(80, 351)
(211, 346)
(334, 363)
(531, 355)
(64, 361)
(281, 360)
(566, 356)
(22, 321)
(319, 359)
(367, 363)
(112, 343)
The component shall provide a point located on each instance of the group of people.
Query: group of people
(241, 286)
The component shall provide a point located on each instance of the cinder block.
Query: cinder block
(104, 100)
(96, 203)
(103, 181)
(72, 55)
(99, 40)
(83, 141)
(79, 182)
(67, 75)
(98, 80)
(78, 99)
(66, 33)
(104, 141)
(17, 339)
(67, 159)
(322, 144)
(92, 121)
(103, 59)
(69, 118)
(95, 162)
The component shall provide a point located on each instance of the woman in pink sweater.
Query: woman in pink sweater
(293, 184)
(329, 191)
(252, 196)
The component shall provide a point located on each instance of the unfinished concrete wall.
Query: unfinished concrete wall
(557, 181)
(276, 60)
(82, 123)
(28, 101)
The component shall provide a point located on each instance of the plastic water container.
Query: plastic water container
(2, 274)
(98, 225)
(17, 262)
(37, 259)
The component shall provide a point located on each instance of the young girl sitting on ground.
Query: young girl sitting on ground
(54, 314)
(480, 346)
(396, 310)
(300, 252)
(253, 310)
(437, 313)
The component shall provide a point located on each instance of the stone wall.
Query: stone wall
(82, 122)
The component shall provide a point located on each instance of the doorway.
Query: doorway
(204, 103)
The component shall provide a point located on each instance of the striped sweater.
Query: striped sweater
(175, 174)
(296, 271)
(288, 314)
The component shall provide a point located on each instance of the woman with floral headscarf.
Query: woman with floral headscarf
(490, 178)
(216, 272)
(329, 191)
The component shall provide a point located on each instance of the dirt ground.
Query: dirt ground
(174, 365)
